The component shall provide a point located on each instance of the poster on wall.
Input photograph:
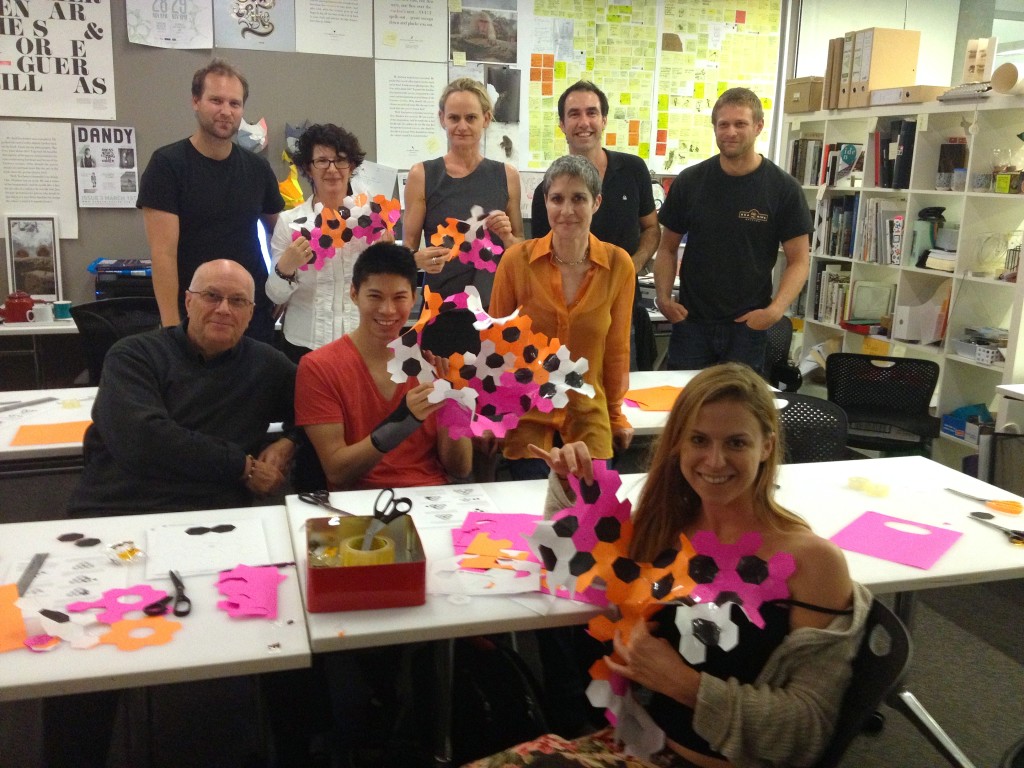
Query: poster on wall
(484, 30)
(410, 30)
(56, 60)
(260, 25)
(106, 166)
(180, 24)
(33, 256)
(408, 129)
(333, 28)
(38, 172)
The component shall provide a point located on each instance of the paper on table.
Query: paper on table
(50, 434)
(896, 540)
(513, 528)
(12, 626)
(447, 505)
(654, 398)
(62, 580)
(174, 548)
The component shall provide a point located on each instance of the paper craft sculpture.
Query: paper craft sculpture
(251, 591)
(360, 220)
(469, 240)
(290, 190)
(498, 367)
(252, 136)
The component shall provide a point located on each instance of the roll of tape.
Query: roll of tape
(380, 553)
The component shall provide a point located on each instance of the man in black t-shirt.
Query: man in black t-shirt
(626, 217)
(201, 198)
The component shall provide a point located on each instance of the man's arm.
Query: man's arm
(798, 263)
(650, 234)
(343, 464)
(665, 266)
(162, 234)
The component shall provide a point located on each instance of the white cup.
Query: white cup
(40, 313)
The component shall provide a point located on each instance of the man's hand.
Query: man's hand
(417, 401)
(622, 437)
(759, 319)
(279, 454)
(673, 311)
(265, 478)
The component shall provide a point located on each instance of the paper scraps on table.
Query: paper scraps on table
(133, 634)
(469, 240)
(250, 591)
(50, 434)
(498, 368)
(897, 540)
(450, 576)
(654, 398)
(115, 604)
(361, 222)
(12, 625)
(509, 528)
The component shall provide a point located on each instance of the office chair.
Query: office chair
(813, 429)
(886, 400)
(778, 370)
(101, 323)
(878, 669)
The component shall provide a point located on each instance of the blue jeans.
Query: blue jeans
(698, 345)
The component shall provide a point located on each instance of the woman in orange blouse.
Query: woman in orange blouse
(579, 290)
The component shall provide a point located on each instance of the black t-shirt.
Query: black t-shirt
(218, 203)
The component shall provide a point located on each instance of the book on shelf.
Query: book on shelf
(884, 224)
(936, 258)
(842, 164)
(833, 285)
(869, 301)
(904, 153)
(805, 157)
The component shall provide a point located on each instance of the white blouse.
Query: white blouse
(318, 306)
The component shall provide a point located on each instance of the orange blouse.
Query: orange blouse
(595, 326)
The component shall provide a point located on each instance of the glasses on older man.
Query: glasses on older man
(213, 299)
(322, 163)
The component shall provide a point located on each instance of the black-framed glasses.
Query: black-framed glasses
(213, 299)
(322, 163)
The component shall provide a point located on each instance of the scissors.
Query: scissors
(323, 499)
(1010, 506)
(1015, 537)
(182, 606)
(386, 508)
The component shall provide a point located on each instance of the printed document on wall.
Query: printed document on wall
(180, 24)
(411, 30)
(56, 60)
(408, 130)
(37, 174)
(106, 163)
(333, 27)
(259, 26)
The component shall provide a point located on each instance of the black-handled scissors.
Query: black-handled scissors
(386, 508)
(1015, 537)
(182, 606)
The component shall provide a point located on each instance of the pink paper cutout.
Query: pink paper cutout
(115, 608)
(872, 534)
(251, 591)
(515, 528)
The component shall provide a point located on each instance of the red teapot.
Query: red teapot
(15, 309)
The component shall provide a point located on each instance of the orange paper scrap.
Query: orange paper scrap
(12, 626)
(654, 398)
(51, 434)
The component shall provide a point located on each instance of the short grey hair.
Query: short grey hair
(575, 167)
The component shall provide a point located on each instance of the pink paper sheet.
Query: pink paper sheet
(880, 536)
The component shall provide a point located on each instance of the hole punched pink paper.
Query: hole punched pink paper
(896, 540)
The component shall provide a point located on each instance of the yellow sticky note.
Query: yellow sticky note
(698, 90)
(459, 58)
(560, 70)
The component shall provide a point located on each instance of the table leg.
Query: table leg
(444, 659)
(907, 704)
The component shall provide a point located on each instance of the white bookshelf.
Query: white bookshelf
(975, 301)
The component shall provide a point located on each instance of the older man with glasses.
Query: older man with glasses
(180, 421)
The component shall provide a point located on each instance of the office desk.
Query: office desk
(210, 643)
(72, 404)
(648, 423)
(34, 330)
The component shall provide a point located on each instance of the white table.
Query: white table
(648, 423)
(71, 404)
(210, 644)
(33, 330)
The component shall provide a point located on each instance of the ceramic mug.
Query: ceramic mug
(62, 310)
(40, 313)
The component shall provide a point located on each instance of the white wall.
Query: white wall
(937, 20)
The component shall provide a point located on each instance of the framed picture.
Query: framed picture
(33, 256)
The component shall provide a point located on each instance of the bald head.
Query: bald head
(219, 305)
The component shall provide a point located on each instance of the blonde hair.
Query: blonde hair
(469, 85)
(668, 503)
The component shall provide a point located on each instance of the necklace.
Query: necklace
(586, 255)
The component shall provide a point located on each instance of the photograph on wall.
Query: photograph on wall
(33, 256)
(106, 166)
(485, 31)
(56, 60)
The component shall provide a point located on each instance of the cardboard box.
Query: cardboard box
(803, 94)
(909, 94)
(962, 429)
(360, 587)
(882, 58)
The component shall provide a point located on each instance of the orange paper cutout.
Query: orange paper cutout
(12, 625)
(161, 630)
(50, 434)
(654, 398)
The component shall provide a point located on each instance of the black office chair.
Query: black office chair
(778, 370)
(101, 323)
(813, 429)
(878, 669)
(886, 400)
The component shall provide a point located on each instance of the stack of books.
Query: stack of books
(939, 259)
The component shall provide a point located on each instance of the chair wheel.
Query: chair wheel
(874, 724)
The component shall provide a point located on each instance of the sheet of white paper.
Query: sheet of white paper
(173, 548)
(334, 28)
(64, 580)
(446, 506)
(375, 179)
(410, 30)
(165, 25)
(408, 130)
(445, 577)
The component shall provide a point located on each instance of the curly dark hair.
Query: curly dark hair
(327, 135)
